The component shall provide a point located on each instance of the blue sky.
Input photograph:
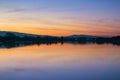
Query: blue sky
(66, 15)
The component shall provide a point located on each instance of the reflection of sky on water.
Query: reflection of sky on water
(56, 62)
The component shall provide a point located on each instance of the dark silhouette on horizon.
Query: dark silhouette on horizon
(15, 39)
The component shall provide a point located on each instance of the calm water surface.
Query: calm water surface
(60, 62)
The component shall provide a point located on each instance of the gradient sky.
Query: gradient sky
(61, 17)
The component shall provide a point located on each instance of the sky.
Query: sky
(61, 17)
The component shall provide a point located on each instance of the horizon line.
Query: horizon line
(53, 35)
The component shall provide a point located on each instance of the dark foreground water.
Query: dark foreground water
(60, 62)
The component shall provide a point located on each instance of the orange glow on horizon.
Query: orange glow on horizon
(58, 32)
(58, 29)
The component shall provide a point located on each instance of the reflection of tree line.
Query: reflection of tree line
(15, 41)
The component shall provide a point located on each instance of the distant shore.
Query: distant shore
(14, 39)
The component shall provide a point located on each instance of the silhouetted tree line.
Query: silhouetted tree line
(112, 40)
(30, 40)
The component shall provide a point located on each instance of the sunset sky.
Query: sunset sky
(61, 17)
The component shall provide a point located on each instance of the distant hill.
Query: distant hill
(21, 35)
(78, 36)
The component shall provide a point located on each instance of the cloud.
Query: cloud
(80, 31)
(14, 10)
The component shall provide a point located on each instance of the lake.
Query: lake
(60, 62)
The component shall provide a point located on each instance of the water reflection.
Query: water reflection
(60, 62)
(23, 43)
